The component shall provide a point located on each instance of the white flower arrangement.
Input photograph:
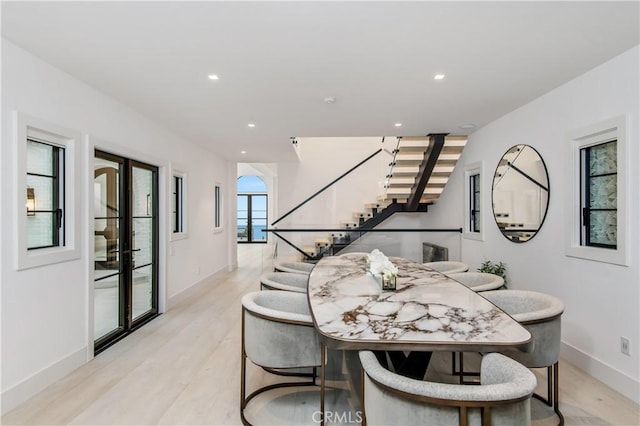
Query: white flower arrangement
(379, 264)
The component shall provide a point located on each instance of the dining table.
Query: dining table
(428, 311)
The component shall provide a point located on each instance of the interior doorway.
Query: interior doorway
(125, 245)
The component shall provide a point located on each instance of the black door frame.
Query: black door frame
(126, 323)
(249, 217)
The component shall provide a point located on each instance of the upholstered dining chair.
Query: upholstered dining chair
(502, 398)
(284, 281)
(540, 314)
(447, 266)
(478, 281)
(294, 267)
(277, 334)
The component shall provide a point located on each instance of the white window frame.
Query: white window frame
(470, 170)
(25, 127)
(607, 130)
(182, 206)
(218, 208)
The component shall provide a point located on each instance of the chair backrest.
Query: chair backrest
(278, 331)
(294, 267)
(448, 266)
(478, 281)
(284, 281)
(540, 314)
(503, 395)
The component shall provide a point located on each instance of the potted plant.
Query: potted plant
(499, 269)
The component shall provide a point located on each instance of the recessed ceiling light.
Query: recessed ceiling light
(251, 125)
(438, 76)
(329, 100)
(467, 126)
(243, 152)
(213, 77)
(398, 124)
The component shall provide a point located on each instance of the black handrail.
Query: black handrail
(327, 186)
(289, 242)
(275, 231)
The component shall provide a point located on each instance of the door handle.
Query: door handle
(129, 251)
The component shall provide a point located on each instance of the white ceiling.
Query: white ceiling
(277, 61)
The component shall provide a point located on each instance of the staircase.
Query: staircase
(418, 174)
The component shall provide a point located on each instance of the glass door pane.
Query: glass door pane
(242, 223)
(142, 253)
(108, 277)
(258, 217)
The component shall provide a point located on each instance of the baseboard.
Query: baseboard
(24, 390)
(605, 373)
(184, 294)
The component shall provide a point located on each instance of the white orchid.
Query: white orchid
(379, 264)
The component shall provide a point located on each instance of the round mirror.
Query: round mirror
(520, 195)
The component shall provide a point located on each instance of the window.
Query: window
(177, 203)
(597, 207)
(474, 202)
(599, 195)
(217, 206)
(47, 165)
(45, 195)
(473, 228)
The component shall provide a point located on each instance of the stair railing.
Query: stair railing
(392, 164)
(324, 188)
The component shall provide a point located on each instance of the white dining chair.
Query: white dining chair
(502, 398)
(277, 335)
(478, 281)
(540, 314)
(284, 281)
(448, 266)
(294, 267)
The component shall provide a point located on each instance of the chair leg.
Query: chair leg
(556, 391)
(553, 392)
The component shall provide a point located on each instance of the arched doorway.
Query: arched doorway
(252, 210)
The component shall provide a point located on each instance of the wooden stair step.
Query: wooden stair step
(322, 242)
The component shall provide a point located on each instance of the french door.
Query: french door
(252, 218)
(126, 247)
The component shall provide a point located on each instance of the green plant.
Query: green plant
(499, 269)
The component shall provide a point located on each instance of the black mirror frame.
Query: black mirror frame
(546, 210)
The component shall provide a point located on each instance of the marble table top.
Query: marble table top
(428, 311)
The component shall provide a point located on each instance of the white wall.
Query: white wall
(47, 311)
(321, 161)
(602, 300)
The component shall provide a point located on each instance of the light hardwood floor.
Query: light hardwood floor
(183, 369)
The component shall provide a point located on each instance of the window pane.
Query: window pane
(40, 230)
(143, 241)
(603, 192)
(142, 291)
(42, 191)
(603, 227)
(39, 158)
(106, 305)
(603, 159)
(142, 189)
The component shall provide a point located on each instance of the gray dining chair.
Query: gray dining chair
(284, 281)
(277, 334)
(478, 281)
(502, 398)
(294, 267)
(540, 314)
(448, 266)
